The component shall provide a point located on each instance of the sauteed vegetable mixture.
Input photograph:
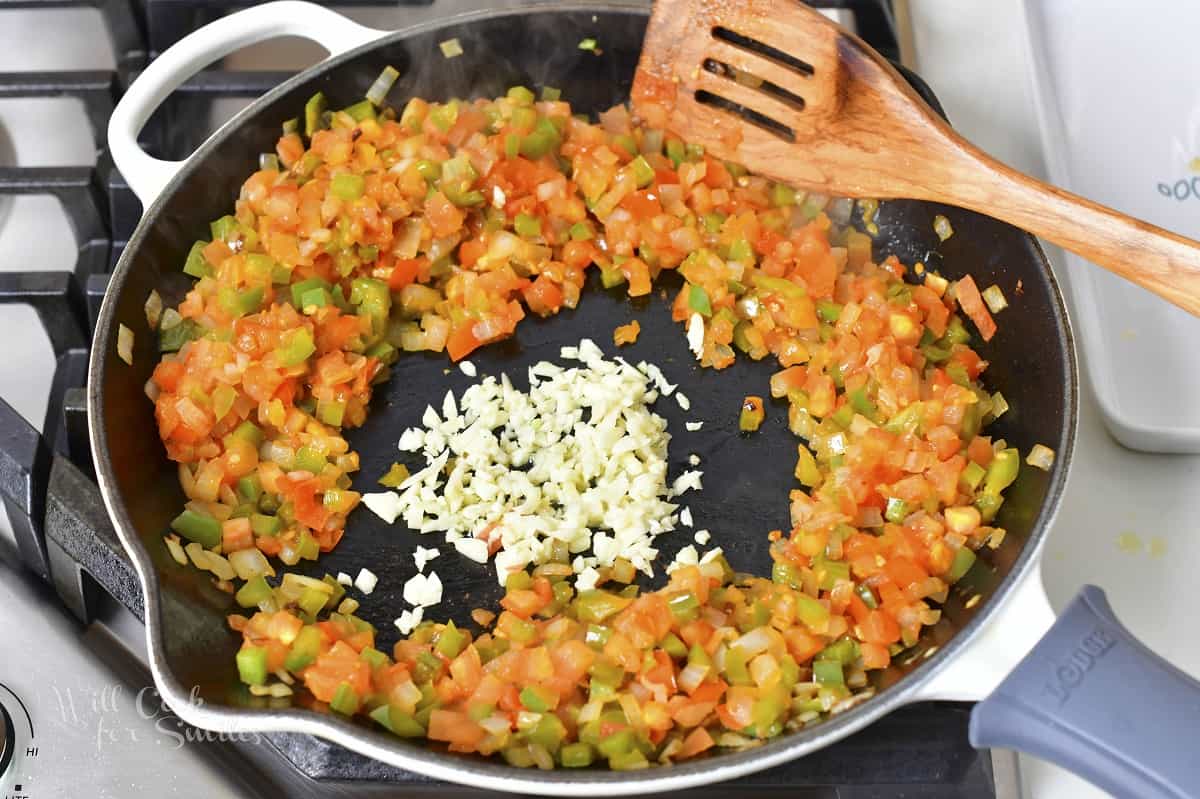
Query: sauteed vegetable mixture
(368, 234)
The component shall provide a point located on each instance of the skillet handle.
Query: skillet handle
(147, 176)
(1092, 698)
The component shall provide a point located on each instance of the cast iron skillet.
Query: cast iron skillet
(746, 479)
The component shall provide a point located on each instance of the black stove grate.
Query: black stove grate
(60, 522)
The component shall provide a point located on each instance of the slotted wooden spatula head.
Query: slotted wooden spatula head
(779, 88)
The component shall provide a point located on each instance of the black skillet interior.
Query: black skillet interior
(746, 479)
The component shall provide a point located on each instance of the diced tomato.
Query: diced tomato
(697, 741)
(969, 298)
(341, 664)
(544, 297)
(405, 270)
(980, 450)
(443, 216)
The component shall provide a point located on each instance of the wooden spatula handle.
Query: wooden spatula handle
(1158, 260)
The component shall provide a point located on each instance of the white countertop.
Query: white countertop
(1127, 522)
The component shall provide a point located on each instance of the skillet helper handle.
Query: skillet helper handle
(1092, 698)
(147, 176)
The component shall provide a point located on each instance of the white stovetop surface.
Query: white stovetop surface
(1126, 522)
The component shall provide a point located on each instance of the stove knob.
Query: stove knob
(8, 741)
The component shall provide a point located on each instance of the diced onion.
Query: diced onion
(176, 550)
(870, 516)
(125, 344)
(941, 226)
(541, 758)
(936, 283)
(764, 669)
(170, 319)
(591, 711)
(753, 642)
(999, 405)
(1040, 456)
(154, 309)
(690, 678)
(995, 299)
(249, 563)
(382, 85)
(839, 210)
(652, 142)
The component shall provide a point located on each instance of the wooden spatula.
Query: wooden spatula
(778, 88)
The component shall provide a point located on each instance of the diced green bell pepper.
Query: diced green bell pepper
(535, 699)
(308, 547)
(698, 300)
(308, 459)
(597, 636)
(173, 338)
(811, 612)
(527, 226)
(1002, 471)
(595, 606)
(397, 722)
(828, 672)
(862, 403)
(620, 742)
(576, 755)
(541, 140)
(742, 252)
(305, 649)
(240, 303)
(253, 592)
(198, 527)
(736, 666)
(249, 487)
(520, 95)
(363, 109)
(225, 229)
(643, 173)
(550, 732)
(312, 601)
(296, 348)
(972, 475)
(314, 113)
(195, 265)
(345, 700)
(673, 646)
(829, 311)
(684, 607)
(348, 187)
(964, 559)
(264, 525)
(896, 511)
(450, 641)
(252, 665)
(374, 658)
(782, 195)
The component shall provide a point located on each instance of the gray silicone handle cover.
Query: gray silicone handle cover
(1092, 698)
